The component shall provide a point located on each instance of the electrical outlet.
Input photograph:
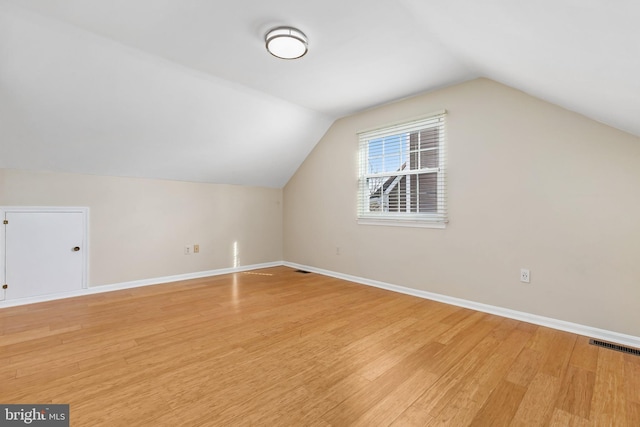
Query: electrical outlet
(525, 276)
(337, 250)
(196, 249)
(187, 250)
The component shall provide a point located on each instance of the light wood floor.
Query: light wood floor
(276, 347)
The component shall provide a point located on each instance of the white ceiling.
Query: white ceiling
(184, 89)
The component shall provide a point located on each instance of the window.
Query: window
(403, 173)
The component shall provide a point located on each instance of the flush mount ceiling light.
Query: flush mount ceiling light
(286, 42)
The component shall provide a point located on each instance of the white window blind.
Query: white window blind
(403, 173)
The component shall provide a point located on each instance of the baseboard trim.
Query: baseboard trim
(589, 331)
(136, 284)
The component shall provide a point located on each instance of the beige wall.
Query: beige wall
(139, 227)
(1, 187)
(531, 185)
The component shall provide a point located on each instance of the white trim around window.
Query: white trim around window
(402, 173)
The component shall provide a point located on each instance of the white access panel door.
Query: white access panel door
(44, 253)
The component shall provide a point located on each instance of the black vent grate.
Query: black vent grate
(302, 271)
(615, 347)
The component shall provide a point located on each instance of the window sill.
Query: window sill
(402, 223)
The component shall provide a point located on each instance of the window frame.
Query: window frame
(403, 129)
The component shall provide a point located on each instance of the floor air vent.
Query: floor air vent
(615, 347)
(302, 271)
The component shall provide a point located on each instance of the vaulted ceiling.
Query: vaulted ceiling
(184, 89)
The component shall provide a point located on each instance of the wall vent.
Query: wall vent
(615, 347)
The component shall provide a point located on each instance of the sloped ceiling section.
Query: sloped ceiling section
(362, 53)
(583, 55)
(184, 89)
(76, 102)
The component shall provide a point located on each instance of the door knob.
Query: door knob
(76, 249)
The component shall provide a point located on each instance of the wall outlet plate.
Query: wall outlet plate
(525, 276)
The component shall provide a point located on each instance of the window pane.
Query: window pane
(375, 156)
(392, 154)
(413, 160)
(392, 164)
(375, 194)
(387, 154)
(428, 192)
(423, 148)
(394, 199)
(429, 138)
(413, 142)
(429, 158)
(389, 193)
(413, 185)
(402, 196)
(393, 145)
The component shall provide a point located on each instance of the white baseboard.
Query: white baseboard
(136, 284)
(601, 334)
(589, 331)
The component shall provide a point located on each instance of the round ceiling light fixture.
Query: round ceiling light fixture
(286, 43)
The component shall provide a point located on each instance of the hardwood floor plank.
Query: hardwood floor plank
(608, 405)
(32, 334)
(537, 405)
(463, 405)
(296, 407)
(525, 368)
(559, 354)
(392, 352)
(335, 385)
(386, 410)
(355, 406)
(465, 342)
(276, 347)
(633, 414)
(561, 418)
(460, 327)
(454, 389)
(584, 355)
(458, 314)
(501, 406)
(632, 378)
(542, 340)
(577, 392)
